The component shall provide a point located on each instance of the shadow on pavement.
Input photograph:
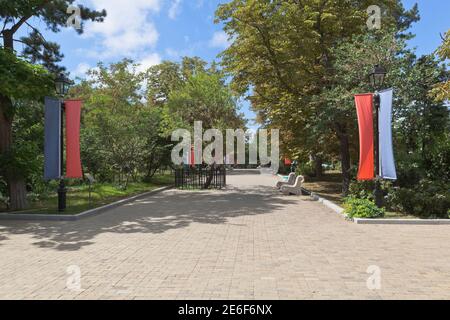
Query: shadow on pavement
(154, 215)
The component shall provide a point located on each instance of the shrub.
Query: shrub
(362, 208)
(362, 190)
(306, 169)
(429, 199)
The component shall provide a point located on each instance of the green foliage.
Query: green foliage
(441, 91)
(125, 138)
(282, 56)
(21, 79)
(53, 15)
(362, 190)
(362, 208)
(306, 169)
(204, 97)
(427, 199)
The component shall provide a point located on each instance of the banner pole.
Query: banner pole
(378, 193)
(62, 191)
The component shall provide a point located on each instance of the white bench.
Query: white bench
(294, 189)
(290, 181)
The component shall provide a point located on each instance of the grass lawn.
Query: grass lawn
(328, 187)
(102, 194)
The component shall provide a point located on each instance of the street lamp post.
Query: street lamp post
(376, 78)
(62, 85)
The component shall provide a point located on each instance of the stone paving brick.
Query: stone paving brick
(246, 242)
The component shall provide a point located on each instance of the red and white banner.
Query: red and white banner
(73, 159)
(364, 106)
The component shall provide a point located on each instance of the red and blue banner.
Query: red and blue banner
(364, 106)
(73, 159)
(53, 139)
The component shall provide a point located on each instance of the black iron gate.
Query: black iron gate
(201, 177)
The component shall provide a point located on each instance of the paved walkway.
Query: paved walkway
(247, 242)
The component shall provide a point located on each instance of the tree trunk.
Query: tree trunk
(16, 183)
(345, 158)
(318, 166)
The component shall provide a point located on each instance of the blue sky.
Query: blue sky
(149, 31)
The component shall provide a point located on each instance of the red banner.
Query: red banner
(364, 106)
(73, 159)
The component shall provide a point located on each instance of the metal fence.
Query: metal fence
(201, 178)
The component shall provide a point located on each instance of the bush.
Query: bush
(362, 208)
(362, 190)
(429, 199)
(306, 169)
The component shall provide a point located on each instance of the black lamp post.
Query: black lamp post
(376, 78)
(62, 85)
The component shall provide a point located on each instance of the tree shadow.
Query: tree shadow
(157, 214)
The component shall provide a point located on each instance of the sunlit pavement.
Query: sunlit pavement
(247, 242)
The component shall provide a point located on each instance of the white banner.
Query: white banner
(387, 161)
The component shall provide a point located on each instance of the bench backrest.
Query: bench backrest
(291, 178)
(299, 181)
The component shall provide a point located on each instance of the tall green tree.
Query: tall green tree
(13, 16)
(204, 97)
(420, 123)
(282, 56)
(442, 90)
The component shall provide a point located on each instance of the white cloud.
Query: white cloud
(148, 61)
(175, 9)
(127, 29)
(81, 69)
(219, 40)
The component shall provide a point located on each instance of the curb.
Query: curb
(340, 210)
(327, 203)
(79, 216)
(416, 222)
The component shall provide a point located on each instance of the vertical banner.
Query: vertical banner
(52, 139)
(364, 106)
(192, 156)
(387, 161)
(73, 159)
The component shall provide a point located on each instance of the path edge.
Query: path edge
(82, 215)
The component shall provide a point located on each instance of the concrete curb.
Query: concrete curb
(340, 210)
(417, 222)
(327, 203)
(79, 216)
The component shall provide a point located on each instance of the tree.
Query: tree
(112, 117)
(204, 97)
(122, 134)
(13, 16)
(421, 125)
(281, 56)
(442, 90)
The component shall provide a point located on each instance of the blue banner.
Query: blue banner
(52, 146)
